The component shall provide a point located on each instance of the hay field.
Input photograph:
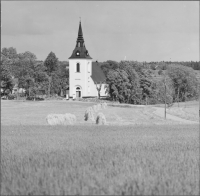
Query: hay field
(34, 113)
(145, 159)
(185, 110)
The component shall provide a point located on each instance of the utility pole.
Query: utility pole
(165, 95)
(165, 92)
(199, 107)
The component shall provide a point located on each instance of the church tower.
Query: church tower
(80, 69)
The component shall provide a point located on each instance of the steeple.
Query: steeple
(80, 33)
(80, 39)
(80, 50)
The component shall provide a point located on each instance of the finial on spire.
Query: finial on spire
(80, 19)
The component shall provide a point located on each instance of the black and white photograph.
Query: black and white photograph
(100, 98)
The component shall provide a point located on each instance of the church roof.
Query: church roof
(80, 51)
(97, 73)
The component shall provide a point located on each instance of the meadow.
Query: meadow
(135, 154)
(186, 110)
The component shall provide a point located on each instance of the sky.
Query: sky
(112, 30)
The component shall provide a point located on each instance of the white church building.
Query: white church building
(83, 73)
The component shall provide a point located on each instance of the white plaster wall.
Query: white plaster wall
(81, 78)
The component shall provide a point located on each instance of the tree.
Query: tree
(118, 85)
(9, 57)
(63, 77)
(30, 73)
(184, 81)
(39, 78)
(8, 60)
(98, 87)
(134, 95)
(6, 80)
(109, 65)
(51, 64)
(24, 71)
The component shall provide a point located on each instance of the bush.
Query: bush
(12, 96)
(31, 98)
(160, 72)
(21, 94)
(53, 97)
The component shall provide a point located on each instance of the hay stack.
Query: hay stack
(61, 119)
(101, 119)
(98, 106)
(89, 114)
(94, 107)
(103, 105)
(70, 117)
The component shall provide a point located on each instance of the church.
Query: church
(84, 75)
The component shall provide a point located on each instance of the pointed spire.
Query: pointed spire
(80, 50)
(80, 33)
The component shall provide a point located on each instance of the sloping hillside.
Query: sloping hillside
(156, 76)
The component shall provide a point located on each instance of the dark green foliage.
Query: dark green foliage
(32, 75)
(7, 83)
(33, 98)
(109, 65)
(25, 71)
(8, 61)
(141, 85)
(184, 81)
(160, 72)
(60, 79)
(51, 64)
(12, 96)
(118, 85)
(128, 81)
(164, 64)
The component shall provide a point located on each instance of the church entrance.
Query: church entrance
(78, 92)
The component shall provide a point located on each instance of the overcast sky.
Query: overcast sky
(112, 30)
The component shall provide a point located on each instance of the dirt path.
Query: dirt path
(160, 112)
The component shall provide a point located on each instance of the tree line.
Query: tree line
(163, 64)
(135, 83)
(36, 77)
(127, 81)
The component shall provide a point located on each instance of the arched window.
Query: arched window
(79, 44)
(78, 88)
(78, 67)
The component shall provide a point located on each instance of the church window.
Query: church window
(77, 53)
(78, 88)
(79, 44)
(78, 67)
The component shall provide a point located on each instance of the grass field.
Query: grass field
(186, 110)
(34, 113)
(150, 158)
